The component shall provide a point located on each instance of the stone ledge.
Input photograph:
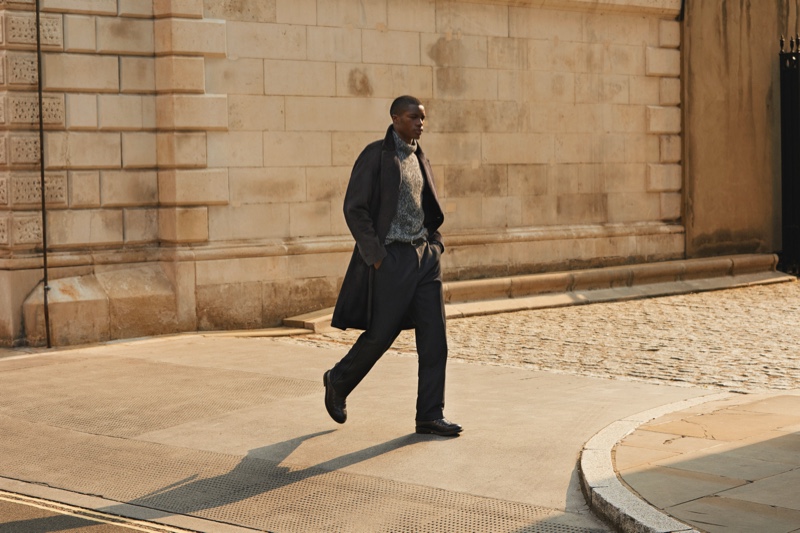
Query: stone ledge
(559, 289)
(653, 7)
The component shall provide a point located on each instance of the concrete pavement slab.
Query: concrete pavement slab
(232, 431)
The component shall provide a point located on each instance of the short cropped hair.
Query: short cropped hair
(401, 103)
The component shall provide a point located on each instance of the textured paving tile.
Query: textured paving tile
(666, 487)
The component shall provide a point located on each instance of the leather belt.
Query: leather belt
(418, 242)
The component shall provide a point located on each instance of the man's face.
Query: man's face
(409, 123)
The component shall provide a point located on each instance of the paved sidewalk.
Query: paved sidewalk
(227, 432)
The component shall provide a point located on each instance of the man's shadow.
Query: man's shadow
(258, 472)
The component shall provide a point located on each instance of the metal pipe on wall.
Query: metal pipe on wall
(45, 279)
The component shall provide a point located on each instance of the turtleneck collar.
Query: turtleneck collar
(403, 147)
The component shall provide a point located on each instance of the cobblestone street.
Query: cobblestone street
(740, 339)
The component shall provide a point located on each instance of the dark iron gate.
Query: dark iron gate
(790, 156)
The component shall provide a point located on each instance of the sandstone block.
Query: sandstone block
(178, 8)
(82, 150)
(256, 113)
(334, 44)
(671, 205)
(234, 76)
(310, 219)
(254, 221)
(137, 75)
(382, 81)
(670, 91)
(669, 34)
(116, 35)
(183, 224)
(193, 187)
(472, 19)
(546, 24)
(84, 189)
(182, 277)
(78, 309)
(634, 207)
(229, 307)
(128, 188)
(664, 178)
(83, 227)
(584, 208)
(503, 212)
(79, 33)
(282, 299)
(343, 13)
(297, 149)
(624, 59)
(527, 180)
(626, 118)
(299, 78)
(81, 111)
(120, 112)
(268, 41)
(465, 84)
(601, 89)
(141, 226)
(302, 12)
(645, 90)
(671, 148)
(190, 37)
(411, 15)
(241, 270)
(663, 62)
(453, 51)
(458, 148)
(141, 301)
(236, 149)
(80, 73)
(327, 184)
(95, 7)
(192, 112)
(507, 53)
(139, 150)
(464, 213)
(390, 47)
(325, 114)
(639, 148)
(179, 149)
(513, 148)
(179, 74)
(262, 11)
(269, 185)
(618, 27)
(664, 119)
(623, 177)
(135, 8)
(347, 145)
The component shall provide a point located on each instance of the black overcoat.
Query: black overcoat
(370, 204)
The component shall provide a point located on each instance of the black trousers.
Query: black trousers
(408, 283)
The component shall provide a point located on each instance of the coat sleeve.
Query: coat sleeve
(360, 204)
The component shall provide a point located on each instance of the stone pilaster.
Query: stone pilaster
(185, 115)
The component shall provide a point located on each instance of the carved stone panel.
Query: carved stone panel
(20, 29)
(26, 189)
(3, 151)
(23, 110)
(4, 230)
(21, 68)
(24, 149)
(27, 230)
(3, 191)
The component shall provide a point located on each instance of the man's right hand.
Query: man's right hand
(377, 264)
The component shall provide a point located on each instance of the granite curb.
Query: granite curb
(607, 496)
(581, 287)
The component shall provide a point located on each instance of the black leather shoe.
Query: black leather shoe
(333, 402)
(442, 427)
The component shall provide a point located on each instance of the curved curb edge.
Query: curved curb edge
(605, 493)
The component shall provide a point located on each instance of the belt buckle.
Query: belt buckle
(418, 242)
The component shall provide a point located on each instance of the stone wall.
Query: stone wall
(210, 143)
(732, 95)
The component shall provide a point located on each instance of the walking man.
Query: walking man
(394, 279)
